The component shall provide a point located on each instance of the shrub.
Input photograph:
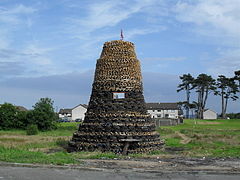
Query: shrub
(234, 115)
(43, 115)
(21, 122)
(8, 116)
(32, 129)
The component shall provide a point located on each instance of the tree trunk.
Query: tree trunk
(199, 104)
(222, 104)
(188, 99)
(202, 103)
(205, 98)
(225, 108)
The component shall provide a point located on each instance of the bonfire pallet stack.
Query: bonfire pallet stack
(117, 124)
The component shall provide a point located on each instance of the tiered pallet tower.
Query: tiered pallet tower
(116, 118)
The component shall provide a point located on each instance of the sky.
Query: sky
(50, 48)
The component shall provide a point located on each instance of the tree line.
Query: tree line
(225, 87)
(42, 116)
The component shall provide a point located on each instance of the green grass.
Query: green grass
(47, 147)
(63, 129)
(212, 138)
(25, 156)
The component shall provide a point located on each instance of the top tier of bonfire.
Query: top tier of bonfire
(116, 118)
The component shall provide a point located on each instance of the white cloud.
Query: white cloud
(12, 15)
(142, 31)
(12, 18)
(19, 9)
(164, 58)
(39, 60)
(218, 21)
(8, 55)
(110, 13)
(4, 41)
(96, 27)
(216, 15)
(36, 50)
(107, 14)
(227, 62)
(42, 61)
(33, 60)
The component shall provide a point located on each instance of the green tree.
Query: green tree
(182, 105)
(8, 116)
(227, 89)
(193, 107)
(237, 77)
(186, 85)
(43, 114)
(22, 119)
(204, 85)
(237, 74)
(234, 115)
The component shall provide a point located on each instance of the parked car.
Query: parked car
(78, 120)
(60, 120)
(63, 120)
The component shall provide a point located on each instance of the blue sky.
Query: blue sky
(50, 48)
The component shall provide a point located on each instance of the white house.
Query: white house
(65, 114)
(79, 111)
(209, 114)
(163, 110)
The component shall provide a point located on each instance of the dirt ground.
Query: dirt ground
(149, 166)
(168, 164)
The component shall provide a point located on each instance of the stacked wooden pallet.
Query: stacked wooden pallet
(121, 125)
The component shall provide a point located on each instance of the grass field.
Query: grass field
(215, 138)
(46, 148)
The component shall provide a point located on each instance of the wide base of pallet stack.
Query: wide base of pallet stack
(117, 144)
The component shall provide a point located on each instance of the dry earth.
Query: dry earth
(169, 164)
(177, 164)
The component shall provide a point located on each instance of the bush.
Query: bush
(43, 115)
(22, 120)
(32, 129)
(8, 116)
(234, 115)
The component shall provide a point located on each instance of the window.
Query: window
(118, 95)
(159, 115)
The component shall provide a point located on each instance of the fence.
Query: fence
(167, 122)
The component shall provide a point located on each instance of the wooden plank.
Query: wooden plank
(130, 140)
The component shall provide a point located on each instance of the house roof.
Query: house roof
(162, 106)
(209, 110)
(21, 108)
(83, 105)
(69, 111)
(65, 111)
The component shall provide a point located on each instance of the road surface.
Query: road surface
(43, 173)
